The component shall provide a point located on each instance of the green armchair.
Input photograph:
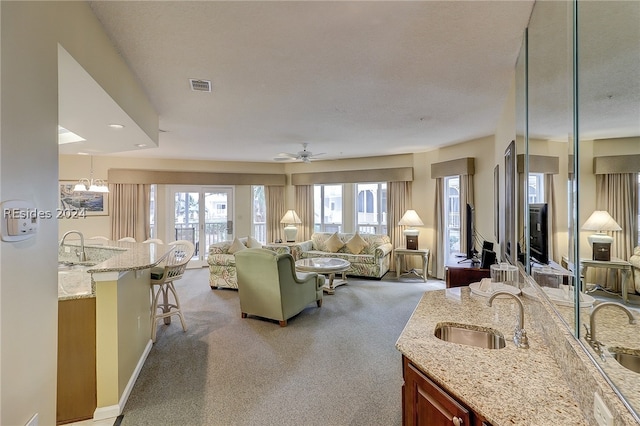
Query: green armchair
(270, 287)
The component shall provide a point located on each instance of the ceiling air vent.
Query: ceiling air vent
(200, 85)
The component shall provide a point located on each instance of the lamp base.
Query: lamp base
(602, 251)
(290, 233)
(411, 239)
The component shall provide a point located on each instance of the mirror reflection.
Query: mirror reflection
(609, 182)
(591, 240)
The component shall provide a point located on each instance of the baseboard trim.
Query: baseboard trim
(111, 411)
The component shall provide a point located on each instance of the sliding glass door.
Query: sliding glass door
(201, 215)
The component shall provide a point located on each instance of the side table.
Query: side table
(290, 245)
(400, 255)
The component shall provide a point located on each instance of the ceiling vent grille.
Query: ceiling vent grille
(200, 85)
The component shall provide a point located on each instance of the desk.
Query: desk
(461, 274)
(401, 253)
(614, 264)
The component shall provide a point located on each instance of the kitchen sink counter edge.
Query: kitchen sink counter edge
(78, 282)
(506, 386)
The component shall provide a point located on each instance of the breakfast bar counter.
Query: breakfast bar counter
(75, 278)
(103, 302)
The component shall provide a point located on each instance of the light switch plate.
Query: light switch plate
(601, 412)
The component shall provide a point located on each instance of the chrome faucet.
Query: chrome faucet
(519, 335)
(590, 336)
(82, 256)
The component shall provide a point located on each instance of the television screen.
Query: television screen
(539, 233)
(470, 233)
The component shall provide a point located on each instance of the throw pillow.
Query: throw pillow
(253, 243)
(334, 243)
(236, 246)
(356, 244)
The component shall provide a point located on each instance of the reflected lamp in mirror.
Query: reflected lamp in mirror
(410, 220)
(291, 219)
(601, 222)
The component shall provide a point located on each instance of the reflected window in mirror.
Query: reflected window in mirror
(536, 188)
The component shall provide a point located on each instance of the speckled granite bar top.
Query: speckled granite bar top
(137, 256)
(507, 386)
(77, 282)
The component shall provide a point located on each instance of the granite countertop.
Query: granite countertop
(75, 281)
(614, 331)
(506, 386)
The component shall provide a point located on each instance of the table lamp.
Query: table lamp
(291, 219)
(601, 222)
(410, 219)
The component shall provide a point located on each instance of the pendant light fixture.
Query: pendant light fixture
(91, 184)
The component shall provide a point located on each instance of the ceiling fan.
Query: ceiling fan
(304, 155)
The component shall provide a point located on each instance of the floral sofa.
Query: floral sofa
(222, 260)
(369, 256)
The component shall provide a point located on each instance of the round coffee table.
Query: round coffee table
(326, 265)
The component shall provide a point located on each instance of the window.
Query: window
(371, 208)
(259, 214)
(536, 188)
(452, 214)
(327, 208)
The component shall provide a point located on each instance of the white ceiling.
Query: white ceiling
(352, 79)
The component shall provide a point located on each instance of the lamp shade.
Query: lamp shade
(600, 221)
(291, 219)
(410, 218)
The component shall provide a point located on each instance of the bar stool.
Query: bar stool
(162, 278)
(153, 240)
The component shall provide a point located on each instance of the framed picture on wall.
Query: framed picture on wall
(73, 204)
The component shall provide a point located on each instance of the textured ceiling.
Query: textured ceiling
(352, 79)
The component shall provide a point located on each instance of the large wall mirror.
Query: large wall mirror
(581, 154)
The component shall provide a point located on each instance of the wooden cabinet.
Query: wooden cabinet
(76, 398)
(425, 403)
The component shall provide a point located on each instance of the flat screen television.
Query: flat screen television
(539, 233)
(469, 228)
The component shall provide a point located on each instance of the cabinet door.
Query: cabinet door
(425, 403)
(76, 396)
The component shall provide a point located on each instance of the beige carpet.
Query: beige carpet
(334, 365)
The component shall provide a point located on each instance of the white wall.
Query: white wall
(30, 33)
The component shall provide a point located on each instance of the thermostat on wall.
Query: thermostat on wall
(19, 220)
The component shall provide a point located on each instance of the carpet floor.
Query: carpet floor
(334, 365)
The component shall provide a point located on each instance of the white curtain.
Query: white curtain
(129, 210)
(618, 195)
(550, 199)
(304, 208)
(398, 196)
(437, 251)
(274, 199)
